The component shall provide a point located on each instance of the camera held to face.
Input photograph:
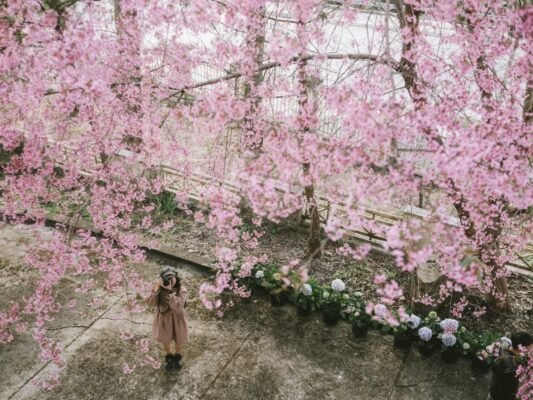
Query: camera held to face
(166, 274)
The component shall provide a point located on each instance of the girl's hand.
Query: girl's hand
(159, 285)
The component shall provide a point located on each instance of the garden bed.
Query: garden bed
(283, 243)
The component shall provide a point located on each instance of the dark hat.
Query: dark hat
(167, 271)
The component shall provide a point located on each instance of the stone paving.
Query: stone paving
(255, 351)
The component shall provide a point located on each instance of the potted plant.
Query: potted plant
(262, 276)
(481, 361)
(450, 351)
(306, 298)
(409, 331)
(481, 347)
(426, 345)
(360, 323)
(403, 337)
(279, 296)
(269, 277)
(426, 333)
(330, 306)
(258, 277)
(490, 347)
(332, 302)
(357, 316)
(405, 333)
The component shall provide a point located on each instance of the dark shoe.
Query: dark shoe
(169, 361)
(177, 361)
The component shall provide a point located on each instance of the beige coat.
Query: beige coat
(171, 322)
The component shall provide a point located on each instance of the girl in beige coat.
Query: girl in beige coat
(170, 323)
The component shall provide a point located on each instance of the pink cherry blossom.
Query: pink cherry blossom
(266, 121)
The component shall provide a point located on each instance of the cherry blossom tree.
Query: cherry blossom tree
(451, 65)
(364, 103)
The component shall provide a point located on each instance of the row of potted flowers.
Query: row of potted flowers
(334, 302)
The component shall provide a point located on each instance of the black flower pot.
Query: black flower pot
(359, 331)
(425, 349)
(278, 300)
(330, 317)
(450, 354)
(403, 340)
(480, 365)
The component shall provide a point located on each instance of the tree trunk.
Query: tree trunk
(426, 280)
(129, 75)
(304, 96)
(255, 46)
(501, 301)
(314, 229)
(500, 297)
(408, 17)
(528, 102)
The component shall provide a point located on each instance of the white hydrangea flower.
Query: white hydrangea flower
(448, 339)
(414, 321)
(307, 290)
(345, 296)
(357, 313)
(449, 325)
(338, 285)
(259, 274)
(489, 348)
(325, 294)
(506, 343)
(358, 294)
(466, 346)
(425, 334)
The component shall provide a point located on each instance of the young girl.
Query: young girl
(171, 320)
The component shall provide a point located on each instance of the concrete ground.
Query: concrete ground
(254, 352)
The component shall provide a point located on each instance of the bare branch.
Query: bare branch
(329, 56)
